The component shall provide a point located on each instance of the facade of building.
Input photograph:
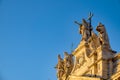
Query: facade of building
(93, 59)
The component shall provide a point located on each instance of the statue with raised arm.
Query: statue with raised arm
(103, 36)
(85, 28)
(60, 68)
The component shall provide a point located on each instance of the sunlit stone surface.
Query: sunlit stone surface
(93, 59)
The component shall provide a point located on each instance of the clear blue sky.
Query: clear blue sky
(34, 32)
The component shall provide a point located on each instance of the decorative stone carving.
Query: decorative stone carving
(85, 30)
(60, 68)
(68, 64)
(93, 58)
(93, 41)
(103, 36)
(64, 66)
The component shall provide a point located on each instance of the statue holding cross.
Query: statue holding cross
(90, 19)
(85, 28)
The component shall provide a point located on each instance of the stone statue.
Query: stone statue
(103, 36)
(68, 64)
(85, 30)
(60, 68)
(64, 67)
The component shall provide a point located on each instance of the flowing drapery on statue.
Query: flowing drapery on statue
(68, 64)
(64, 66)
(85, 30)
(92, 58)
(60, 68)
(103, 36)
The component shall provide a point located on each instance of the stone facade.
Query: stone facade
(93, 59)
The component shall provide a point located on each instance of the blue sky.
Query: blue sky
(34, 32)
